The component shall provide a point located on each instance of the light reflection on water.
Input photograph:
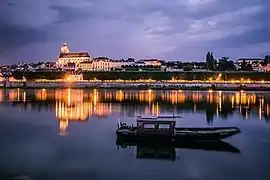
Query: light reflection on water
(87, 143)
(79, 104)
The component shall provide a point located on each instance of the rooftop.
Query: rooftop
(250, 59)
(148, 60)
(74, 55)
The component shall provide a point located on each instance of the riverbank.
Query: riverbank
(141, 85)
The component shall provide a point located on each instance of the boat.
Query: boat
(166, 130)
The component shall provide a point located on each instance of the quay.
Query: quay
(191, 85)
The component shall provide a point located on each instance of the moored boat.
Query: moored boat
(154, 128)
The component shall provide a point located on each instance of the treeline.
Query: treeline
(253, 76)
(235, 75)
(155, 75)
(148, 75)
(40, 75)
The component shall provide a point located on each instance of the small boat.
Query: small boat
(154, 128)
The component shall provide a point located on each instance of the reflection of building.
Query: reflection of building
(76, 111)
(71, 60)
(63, 127)
(1, 95)
(80, 105)
(70, 106)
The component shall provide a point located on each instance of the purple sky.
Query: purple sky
(33, 30)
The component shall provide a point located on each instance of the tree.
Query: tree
(225, 64)
(211, 56)
(243, 65)
(249, 67)
(210, 61)
(266, 60)
(188, 68)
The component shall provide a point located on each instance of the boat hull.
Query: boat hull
(199, 145)
(182, 134)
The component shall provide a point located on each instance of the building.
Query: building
(139, 63)
(74, 77)
(151, 62)
(266, 68)
(86, 66)
(119, 63)
(255, 62)
(71, 60)
(104, 64)
(101, 64)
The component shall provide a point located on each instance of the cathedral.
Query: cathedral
(71, 60)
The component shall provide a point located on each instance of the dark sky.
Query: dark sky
(33, 30)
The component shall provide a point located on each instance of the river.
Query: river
(70, 134)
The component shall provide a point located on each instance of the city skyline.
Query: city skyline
(178, 30)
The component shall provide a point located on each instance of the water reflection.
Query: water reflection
(80, 105)
(167, 151)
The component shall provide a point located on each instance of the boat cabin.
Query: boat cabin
(154, 126)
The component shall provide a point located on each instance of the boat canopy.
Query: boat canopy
(155, 126)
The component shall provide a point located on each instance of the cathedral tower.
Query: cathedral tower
(64, 48)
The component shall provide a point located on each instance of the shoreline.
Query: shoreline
(139, 86)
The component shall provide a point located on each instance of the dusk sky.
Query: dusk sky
(33, 30)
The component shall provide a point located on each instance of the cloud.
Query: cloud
(14, 36)
(138, 28)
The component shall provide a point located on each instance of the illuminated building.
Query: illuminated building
(254, 62)
(2, 79)
(71, 60)
(151, 62)
(267, 68)
(86, 66)
(104, 64)
(101, 64)
(12, 79)
(74, 77)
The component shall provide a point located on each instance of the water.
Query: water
(70, 134)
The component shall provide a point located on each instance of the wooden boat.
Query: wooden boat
(167, 130)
